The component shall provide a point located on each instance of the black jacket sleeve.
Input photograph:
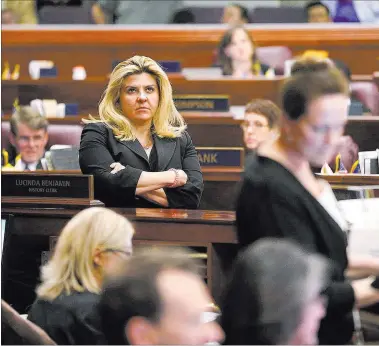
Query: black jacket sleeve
(187, 196)
(262, 212)
(95, 158)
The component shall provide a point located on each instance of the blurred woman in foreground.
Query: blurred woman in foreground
(91, 244)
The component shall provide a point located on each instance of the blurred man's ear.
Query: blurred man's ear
(139, 331)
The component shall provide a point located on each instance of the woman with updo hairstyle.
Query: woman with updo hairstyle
(138, 150)
(237, 55)
(281, 197)
(91, 245)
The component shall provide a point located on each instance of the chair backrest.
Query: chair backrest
(207, 15)
(274, 56)
(282, 14)
(58, 134)
(27, 330)
(66, 14)
(368, 94)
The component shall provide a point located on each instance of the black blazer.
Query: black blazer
(69, 319)
(99, 148)
(273, 203)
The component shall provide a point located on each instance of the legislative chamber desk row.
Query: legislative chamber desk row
(87, 93)
(33, 232)
(97, 47)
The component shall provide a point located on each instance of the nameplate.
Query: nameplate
(202, 103)
(41, 188)
(71, 109)
(171, 66)
(221, 157)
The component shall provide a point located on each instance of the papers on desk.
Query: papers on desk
(202, 73)
(364, 217)
(238, 112)
(62, 158)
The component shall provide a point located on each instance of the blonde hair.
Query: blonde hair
(167, 121)
(72, 266)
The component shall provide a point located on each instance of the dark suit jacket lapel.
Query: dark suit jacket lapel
(137, 148)
(165, 150)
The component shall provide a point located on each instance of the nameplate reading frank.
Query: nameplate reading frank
(221, 157)
(46, 185)
(202, 103)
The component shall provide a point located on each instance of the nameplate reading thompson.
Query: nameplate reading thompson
(202, 103)
(43, 186)
(221, 157)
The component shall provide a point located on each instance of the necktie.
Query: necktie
(27, 169)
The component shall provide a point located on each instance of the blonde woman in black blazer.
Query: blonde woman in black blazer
(138, 151)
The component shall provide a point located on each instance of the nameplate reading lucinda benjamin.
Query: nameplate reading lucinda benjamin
(45, 185)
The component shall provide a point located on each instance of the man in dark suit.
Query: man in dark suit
(29, 136)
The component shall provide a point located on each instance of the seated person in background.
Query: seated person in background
(29, 136)
(42, 3)
(235, 14)
(139, 152)
(134, 12)
(237, 55)
(274, 296)
(317, 12)
(8, 17)
(90, 245)
(23, 11)
(157, 298)
(261, 123)
(353, 11)
(184, 16)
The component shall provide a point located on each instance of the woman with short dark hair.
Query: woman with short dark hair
(261, 123)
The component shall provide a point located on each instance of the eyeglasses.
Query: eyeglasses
(253, 125)
(26, 139)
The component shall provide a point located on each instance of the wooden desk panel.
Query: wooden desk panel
(32, 228)
(96, 48)
(221, 130)
(88, 93)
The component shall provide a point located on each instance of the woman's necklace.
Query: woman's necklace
(148, 146)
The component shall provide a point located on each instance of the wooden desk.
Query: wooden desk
(211, 230)
(87, 93)
(222, 130)
(96, 48)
